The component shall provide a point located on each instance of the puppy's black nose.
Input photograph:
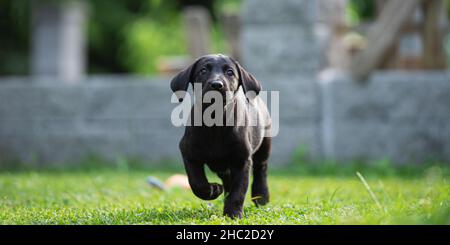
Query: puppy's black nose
(217, 84)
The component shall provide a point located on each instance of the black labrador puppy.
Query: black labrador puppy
(229, 151)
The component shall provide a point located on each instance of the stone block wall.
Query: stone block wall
(111, 116)
(400, 116)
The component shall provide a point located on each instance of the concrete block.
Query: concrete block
(302, 12)
(287, 49)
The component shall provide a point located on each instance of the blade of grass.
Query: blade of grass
(366, 185)
(334, 193)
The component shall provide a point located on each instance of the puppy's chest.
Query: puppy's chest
(219, 148)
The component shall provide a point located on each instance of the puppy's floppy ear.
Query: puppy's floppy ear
(181, 81)
(247, 80)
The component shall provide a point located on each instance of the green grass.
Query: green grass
(320, 196)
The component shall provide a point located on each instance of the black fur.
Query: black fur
(230, 151)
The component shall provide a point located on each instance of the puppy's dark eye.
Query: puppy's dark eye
(230, 73)
(203, 71)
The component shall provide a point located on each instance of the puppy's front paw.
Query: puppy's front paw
(216, 190)
(208, 192)
(233, 213)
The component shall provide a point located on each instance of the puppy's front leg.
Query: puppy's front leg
(234, 201)
(199, 183)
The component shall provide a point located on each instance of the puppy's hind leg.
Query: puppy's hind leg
(260, 189)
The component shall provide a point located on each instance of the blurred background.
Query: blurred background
(124, 36)
(85, 109)
(141, 37)
(359, 80)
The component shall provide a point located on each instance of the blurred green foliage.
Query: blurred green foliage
(146, 41)
(130, 35)
(14, 36)
(359, 10)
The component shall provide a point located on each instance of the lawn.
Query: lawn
(108, 196)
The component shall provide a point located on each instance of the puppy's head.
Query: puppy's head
(216, 72)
